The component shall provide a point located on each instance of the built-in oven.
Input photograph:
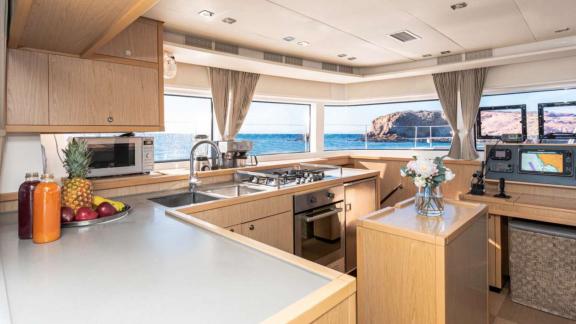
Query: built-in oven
(114, 156)
(319, 227)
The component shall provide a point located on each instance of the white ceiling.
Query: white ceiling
(360, 28)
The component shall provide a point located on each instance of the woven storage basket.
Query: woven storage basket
(543, 267)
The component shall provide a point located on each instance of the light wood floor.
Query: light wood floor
(504, 311)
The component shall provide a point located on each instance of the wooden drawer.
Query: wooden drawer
(246, 212)
(276, 231)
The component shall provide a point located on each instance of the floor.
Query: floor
(504, 311)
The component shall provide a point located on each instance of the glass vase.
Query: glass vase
(429, 201)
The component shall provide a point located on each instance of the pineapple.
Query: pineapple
(77, 190)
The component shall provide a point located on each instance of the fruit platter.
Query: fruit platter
(102, 211)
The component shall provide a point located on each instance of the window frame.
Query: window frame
(439, 149)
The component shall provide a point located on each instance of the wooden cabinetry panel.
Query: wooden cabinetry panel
(236, 229)
(137, 42)
(276, 231)
(27, 88)
(360, 201)
(86, 92)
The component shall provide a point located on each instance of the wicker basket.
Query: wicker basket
(543, 267)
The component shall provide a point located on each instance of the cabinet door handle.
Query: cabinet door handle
(251, 227)
(348, 207)
(110, 119)
(128, 52)
(231, 230)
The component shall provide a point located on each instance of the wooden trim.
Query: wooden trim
(160, 66)
(18, 21)
(136, 180)
(389, 158)
(137, 9)
(9, 196)
(29, 129)
(494, 181)
(125, 61)
(39, 50)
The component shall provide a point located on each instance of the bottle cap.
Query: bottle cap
(47, 176)
(28, 175)
(34, 174)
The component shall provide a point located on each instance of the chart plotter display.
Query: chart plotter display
(542, 162)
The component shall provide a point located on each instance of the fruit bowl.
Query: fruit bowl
(99, 220)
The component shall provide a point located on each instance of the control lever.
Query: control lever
(502, 187)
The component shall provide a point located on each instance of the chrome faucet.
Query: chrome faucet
(194, 182)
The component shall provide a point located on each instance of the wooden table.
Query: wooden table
(415, 269)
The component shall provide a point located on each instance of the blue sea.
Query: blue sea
(171, 147)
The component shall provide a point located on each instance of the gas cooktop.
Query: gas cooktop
(282, 177)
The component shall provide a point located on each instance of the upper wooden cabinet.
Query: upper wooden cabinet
(137, 42)
(53, 93)
(85, 92)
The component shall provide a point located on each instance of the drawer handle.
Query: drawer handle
(110, 119)
(231, 230)
(128, 52)
(251, 227)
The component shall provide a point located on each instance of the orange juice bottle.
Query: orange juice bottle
(46, 225)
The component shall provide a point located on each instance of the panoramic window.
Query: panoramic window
(184, 118)
(277, 127)
(401, 125)
(559, 118)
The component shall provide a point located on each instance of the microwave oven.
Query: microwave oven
(115, 156)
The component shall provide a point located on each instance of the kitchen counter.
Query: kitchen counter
(150, 268)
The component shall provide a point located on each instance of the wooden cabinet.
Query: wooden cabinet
(27, 88)
(497, 250)
(360, 198)
(86, 92)
(276, 231)
(52, 93)
(414, 269)
(137, 42)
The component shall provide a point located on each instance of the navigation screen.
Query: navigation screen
(542, 162)
(559, 121)
(495, 122)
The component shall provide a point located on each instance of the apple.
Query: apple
(105, 209)
(67, 214)
(85, 213)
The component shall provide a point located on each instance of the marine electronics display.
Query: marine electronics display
(493, 122)
(532, 163)
(557, 120)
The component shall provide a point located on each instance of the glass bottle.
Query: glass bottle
(25, 205)
(46, 226)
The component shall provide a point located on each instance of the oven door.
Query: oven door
(319, 234)
(113, 156)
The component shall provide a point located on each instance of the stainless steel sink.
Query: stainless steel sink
(231, 191)
(183, 199)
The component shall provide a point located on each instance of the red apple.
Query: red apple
(67, 214)
(85, 213)
(105, 209)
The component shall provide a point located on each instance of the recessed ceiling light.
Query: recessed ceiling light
(206, 13)
(445, 52)
(351, 58)
(229, 20)
(342, 55)
(288, 38)
(427, 55)
(303, 43)
(562, 30)
(404, 36)
(459, 5)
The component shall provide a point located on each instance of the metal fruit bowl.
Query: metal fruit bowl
(100, 220)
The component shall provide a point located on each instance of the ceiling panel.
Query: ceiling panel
(262, 24)
(482, 24)
(546, 16)
(374, 21)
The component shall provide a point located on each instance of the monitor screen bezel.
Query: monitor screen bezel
(522, 109)
(564, 153)
(541, 109)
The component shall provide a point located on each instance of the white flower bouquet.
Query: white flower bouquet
(428, 175)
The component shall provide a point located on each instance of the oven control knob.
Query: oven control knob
(312, 200)
(330, 195)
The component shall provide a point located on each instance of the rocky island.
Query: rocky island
(401, 126)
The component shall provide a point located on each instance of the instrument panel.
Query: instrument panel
(531, 163)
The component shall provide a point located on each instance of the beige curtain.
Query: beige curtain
(243, 87)
(220, 86)
(3, 39)
(471, 87)
(447, 88)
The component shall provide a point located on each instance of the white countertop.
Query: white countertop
(144, 268)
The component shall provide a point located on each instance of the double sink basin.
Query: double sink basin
(206, 194)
